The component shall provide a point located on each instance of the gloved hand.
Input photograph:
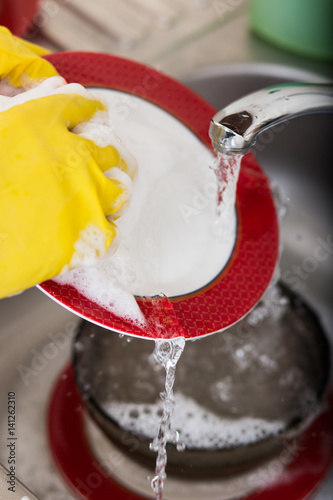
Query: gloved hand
(54, 196)
(20, 61)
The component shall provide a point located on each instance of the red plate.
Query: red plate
(86, 477)
(243, 281)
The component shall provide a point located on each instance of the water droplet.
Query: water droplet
(181, 447)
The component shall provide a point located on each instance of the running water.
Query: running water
(167, 353)
(226, 169)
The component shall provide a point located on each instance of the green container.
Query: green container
(304, 27)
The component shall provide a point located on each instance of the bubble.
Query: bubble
(181, 447)
(134, 413)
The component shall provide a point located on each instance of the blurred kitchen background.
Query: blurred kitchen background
(178, 36)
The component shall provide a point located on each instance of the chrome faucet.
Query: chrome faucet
(234, 129)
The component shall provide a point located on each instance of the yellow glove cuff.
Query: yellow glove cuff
(20, 61)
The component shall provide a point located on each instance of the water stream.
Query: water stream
(226, 169)
(167, 353)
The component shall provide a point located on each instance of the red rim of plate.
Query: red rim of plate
(243, 281)
(85, 476)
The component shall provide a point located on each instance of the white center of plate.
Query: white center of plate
(171, 240)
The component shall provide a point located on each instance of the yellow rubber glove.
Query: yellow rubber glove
(20, 61)
(54, 195)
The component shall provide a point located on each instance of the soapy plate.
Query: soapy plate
(241, 283)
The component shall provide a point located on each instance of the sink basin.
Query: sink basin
(297, 157)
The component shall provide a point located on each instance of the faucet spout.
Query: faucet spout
(235, 129)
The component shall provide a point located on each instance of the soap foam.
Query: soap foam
(90, 247)
(101, 131)
(121, 203)
(198, 427)
(48, 87)
(96, 284)
(7, 89)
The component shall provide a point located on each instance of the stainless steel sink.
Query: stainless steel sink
(297, 157)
